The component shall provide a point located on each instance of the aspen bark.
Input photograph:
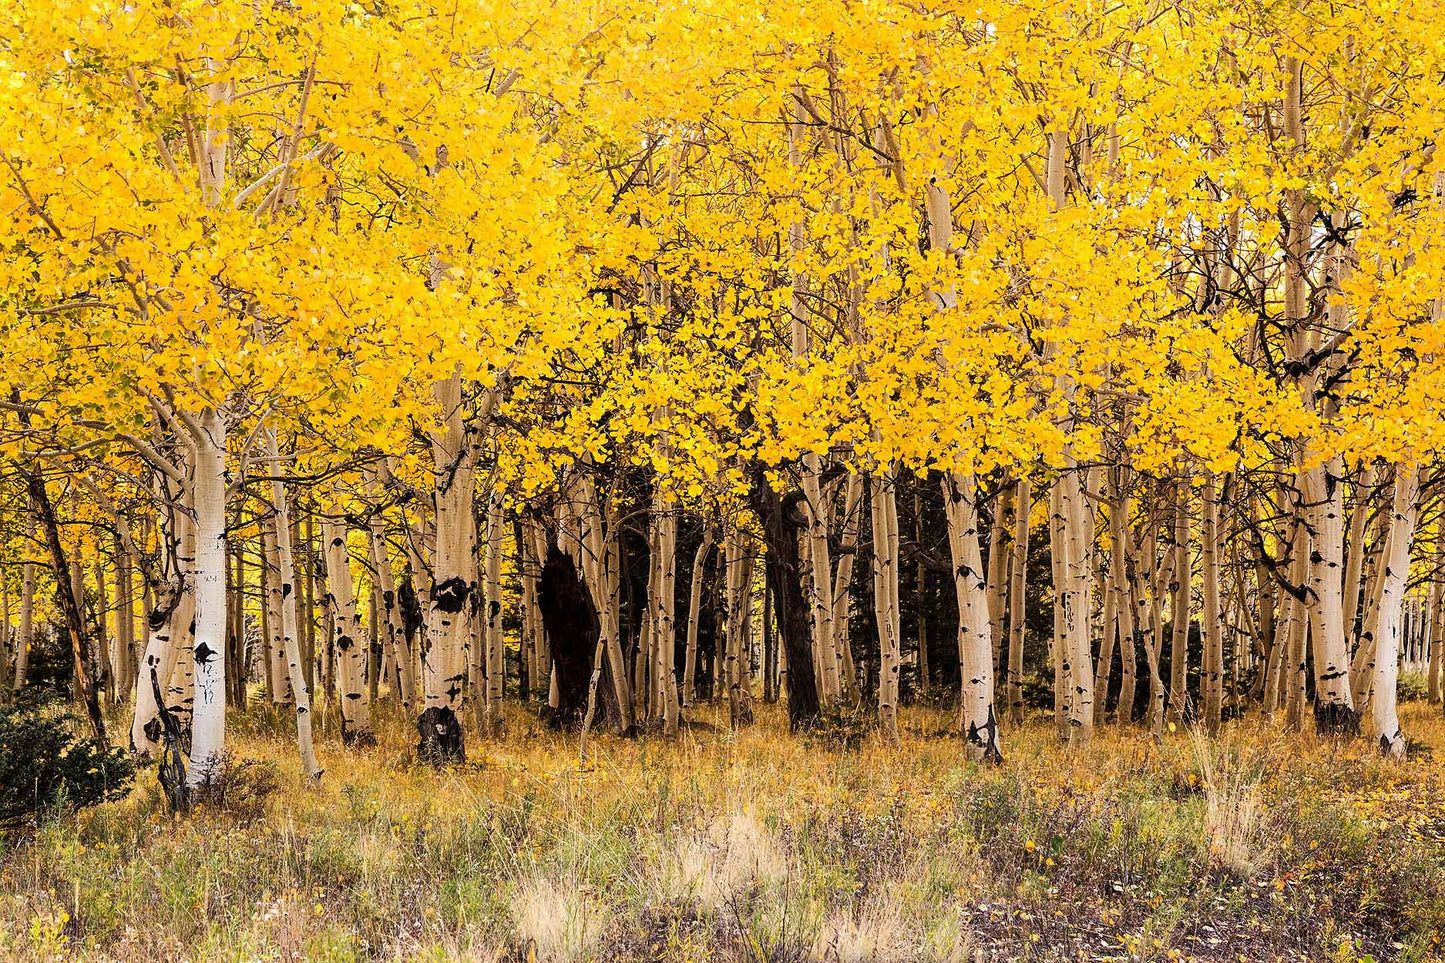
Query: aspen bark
(1385, 628)
(1294, 668)
(1437, 621)
(444, 650)
(1179, 607)
(885, 601)
(1211, 677)
(1355, 547)
(1018, 574)
(208, 721)
(975, 627)
(694, 605)
(740, 710)
(403, 672)
(1323, 487)
(285, 597)
(347, 640)
(997, 578)
(848, 529)
(495, 662)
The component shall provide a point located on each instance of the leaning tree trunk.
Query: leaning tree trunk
(347, 638)
(27, 609)
(694, 604)
(975, 627)
(85, 673)
(1385, 629)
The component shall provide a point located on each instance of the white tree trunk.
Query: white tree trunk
(1324, 493)
(444, 651)
(885, 602)
(1385, 628)
(285, 590)
(348, 639)
(694, 605)
(1212, 622)
(208, 721)
(1018, 576)
(975, 627)
(492, 616)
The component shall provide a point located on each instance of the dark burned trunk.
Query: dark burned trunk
(81, 648)
(1336, 719)
(573, 627)
(782, 526)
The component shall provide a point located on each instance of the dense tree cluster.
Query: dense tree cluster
(602, 353)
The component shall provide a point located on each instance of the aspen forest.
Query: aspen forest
(842, 481)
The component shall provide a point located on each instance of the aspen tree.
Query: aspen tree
(25, 637)
(492, 615)
(443, 651)
(283, 605)
(1018, 575)
(1212, 622)
(694, 604)
(1384, 630)
(347, 637)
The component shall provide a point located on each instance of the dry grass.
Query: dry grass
(1233, 813)
(758, 846)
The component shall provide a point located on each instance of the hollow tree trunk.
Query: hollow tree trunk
(570, 617)
(781, 526)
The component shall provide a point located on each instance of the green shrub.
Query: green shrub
(44, 766)
(1413, 687)
(843, 725)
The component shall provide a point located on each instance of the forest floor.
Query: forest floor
(757, 845)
